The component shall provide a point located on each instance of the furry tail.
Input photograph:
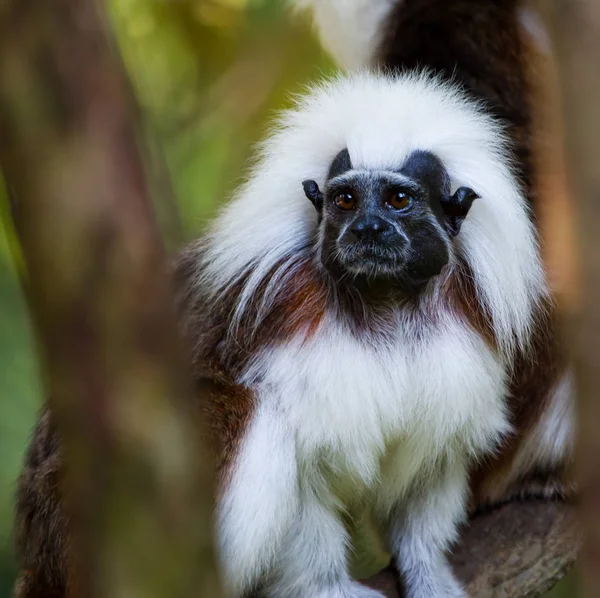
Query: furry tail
(354, 32)
(350, 30)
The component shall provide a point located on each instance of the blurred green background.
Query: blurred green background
(208, 75)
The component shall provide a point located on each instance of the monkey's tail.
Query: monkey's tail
(360, 33)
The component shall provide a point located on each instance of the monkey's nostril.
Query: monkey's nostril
(372, 229)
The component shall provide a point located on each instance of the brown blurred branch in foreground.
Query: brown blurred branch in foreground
(576, 28)
(140, 487)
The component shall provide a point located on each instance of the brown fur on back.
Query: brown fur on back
(476, 43)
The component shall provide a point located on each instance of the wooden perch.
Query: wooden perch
(519, 550)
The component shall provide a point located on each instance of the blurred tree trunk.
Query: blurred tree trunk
(576, 29)
(140, 487)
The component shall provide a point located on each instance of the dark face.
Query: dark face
(386, 224)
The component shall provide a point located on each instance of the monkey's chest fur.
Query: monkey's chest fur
(372, 419)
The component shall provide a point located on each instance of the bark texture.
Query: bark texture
(520, 550)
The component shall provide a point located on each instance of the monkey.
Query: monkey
(391, 342)
(356, 347)
(370, 294)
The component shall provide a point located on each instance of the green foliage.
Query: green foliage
(209, 75)
(19, 390)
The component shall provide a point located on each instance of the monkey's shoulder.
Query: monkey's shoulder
(226, 323)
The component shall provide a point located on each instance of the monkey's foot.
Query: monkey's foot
(350, 590)
(446, 592)
(441, 584)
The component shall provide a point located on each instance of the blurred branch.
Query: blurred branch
(140, 485)
(576, 29)
(555, 202)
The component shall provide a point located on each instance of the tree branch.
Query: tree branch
(520, 550)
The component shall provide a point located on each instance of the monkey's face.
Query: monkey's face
(387, 224)
(379, 225)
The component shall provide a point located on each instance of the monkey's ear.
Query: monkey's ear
(312, 191)
(456, 209)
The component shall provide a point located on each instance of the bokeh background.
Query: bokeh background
(209, 76)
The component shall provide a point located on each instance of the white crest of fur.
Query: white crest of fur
(350, 30)
(381, 120)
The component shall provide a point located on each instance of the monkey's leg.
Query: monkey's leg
(421, 529)
(41, 524)
(313, 562)
(538, 463)
(258, 502)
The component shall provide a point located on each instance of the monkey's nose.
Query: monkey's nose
(372, 228)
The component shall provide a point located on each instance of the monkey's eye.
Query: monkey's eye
(345, 201)
(400, 201)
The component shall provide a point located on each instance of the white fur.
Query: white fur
(381, 120)
(422, 529)
(349, 29)
(261, 500)
(313, 560)
(337, 391)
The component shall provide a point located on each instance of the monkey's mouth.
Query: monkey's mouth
(371, 259)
